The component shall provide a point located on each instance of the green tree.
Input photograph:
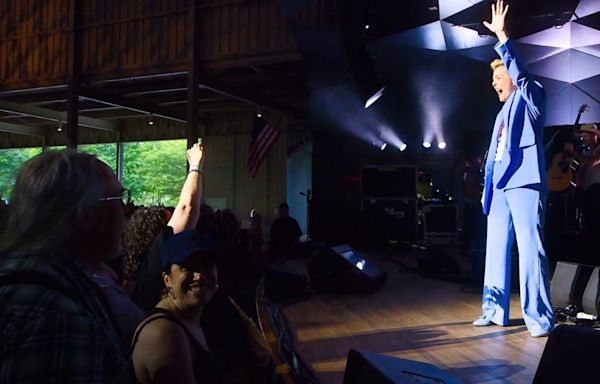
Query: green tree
(105, 152)
(155, 171)
(10, 163)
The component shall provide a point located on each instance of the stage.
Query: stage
(412, 317)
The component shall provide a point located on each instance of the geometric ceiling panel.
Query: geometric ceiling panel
(592, 114)
(582, 35)
(485, 54)
(563, 107)
(569, 66)
(571, 35)
(593, 50)
(551, 37)
(428, 36)
(458, 37)
(552, 87)
(527, 16)
(590, 86)
(558, 112)
(450, 7)
(532, 53)
(587, 7)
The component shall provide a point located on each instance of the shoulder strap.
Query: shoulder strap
(158, 313)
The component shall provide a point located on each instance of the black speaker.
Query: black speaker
(388, 182)
(591, 299)
(341, 269)
(569, 283)
(374, 368)
(284, 286)
(390, 219)
(570, 356)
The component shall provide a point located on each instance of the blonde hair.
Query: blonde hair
(496, 63)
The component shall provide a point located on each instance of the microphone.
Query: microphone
(482, 168)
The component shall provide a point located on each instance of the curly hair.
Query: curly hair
(143, 227)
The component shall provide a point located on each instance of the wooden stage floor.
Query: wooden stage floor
(413, 317)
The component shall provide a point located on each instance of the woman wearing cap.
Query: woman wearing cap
(169, 345)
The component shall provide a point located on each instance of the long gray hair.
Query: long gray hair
(52, 192)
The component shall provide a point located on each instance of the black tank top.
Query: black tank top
(206, 368)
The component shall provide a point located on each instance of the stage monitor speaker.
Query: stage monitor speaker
(591, 299)
(374, 368)
(341, 269)
(569, 283)
(285, 286)
(570, 356)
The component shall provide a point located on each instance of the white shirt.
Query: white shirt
(501, 144)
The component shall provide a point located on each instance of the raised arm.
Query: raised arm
(497, 26)
(531, 90)
(187, 211)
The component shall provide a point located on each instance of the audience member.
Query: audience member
(65, 219)
(256, 239)
(126, 313)
(285, 235)
(169, 345)
(149, 285)
(141, 230)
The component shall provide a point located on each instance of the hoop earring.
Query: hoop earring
(171, 293)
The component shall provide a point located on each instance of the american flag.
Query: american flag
(263, 136)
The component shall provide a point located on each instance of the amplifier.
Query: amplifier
(390, 219)
(440, 222)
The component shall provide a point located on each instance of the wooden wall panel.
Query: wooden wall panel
(33, 38)
(121, 38)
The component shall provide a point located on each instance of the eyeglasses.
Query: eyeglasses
(125, 197)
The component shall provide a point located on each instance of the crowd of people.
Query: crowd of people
(94, 291)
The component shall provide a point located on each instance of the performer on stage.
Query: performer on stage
(514, 191)
(588, 179)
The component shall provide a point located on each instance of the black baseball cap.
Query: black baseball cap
(179, 247)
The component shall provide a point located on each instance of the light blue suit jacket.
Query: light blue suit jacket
(523, 114)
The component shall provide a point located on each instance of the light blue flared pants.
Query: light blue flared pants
(517, 211)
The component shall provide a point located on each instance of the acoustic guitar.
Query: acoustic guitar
(560, 174)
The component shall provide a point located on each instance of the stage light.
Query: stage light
(383, 146)
(374, 98)
(442, 145)
(402, 147)
(59, 129)
(150, 120)
(367, 26)
(426, 144)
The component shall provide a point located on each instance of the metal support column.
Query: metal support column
(73, 78)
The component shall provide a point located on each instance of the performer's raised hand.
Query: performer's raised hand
(497, 25)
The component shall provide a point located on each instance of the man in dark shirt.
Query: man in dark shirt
(65, 219)
(285, 235)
